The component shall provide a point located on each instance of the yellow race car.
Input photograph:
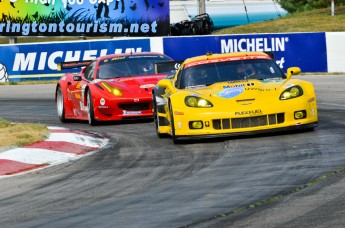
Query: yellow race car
(232, 94)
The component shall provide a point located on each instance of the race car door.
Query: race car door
(80, 108)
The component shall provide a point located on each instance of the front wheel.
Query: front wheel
(156, 117)
(60, 105)
(173, 136)
(90, 110)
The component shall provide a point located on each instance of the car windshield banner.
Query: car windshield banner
(84, 18)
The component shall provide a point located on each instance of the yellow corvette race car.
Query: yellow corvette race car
(232, 94)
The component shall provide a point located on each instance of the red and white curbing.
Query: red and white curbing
(62, 145)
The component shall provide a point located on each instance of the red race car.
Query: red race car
(112, 87)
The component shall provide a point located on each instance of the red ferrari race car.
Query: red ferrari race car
(112, 87)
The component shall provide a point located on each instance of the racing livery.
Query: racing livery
(231, 94)
(111, 87)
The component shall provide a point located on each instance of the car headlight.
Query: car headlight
(197, 102)
(292, 92)
(115, 91)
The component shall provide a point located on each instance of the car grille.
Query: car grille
(246, 122)
(135, 107)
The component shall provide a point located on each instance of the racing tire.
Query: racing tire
(173, 136)
(90, 110)
(60, 105)
(156, 117)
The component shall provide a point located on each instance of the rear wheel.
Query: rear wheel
(60, 105)
(90, 110)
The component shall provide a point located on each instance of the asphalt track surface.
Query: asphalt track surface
(295, 179)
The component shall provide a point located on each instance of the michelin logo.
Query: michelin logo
(256, 44)
(41, 60)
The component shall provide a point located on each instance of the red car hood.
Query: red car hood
(136, 84)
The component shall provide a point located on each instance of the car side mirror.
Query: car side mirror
(164, 83)
(77, 78)
(292, 71)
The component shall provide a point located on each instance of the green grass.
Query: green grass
(20, 134)
(28, 82)
(319, 20)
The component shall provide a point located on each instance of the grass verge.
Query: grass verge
(20, 134)
(27, 82)
(319, 20)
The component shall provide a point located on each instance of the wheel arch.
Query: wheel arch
(84, 95)
(59, 85)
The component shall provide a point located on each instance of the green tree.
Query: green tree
(293, 6)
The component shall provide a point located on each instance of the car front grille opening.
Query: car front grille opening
(246, 122)
(135, 107)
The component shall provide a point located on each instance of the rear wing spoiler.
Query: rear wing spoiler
(72, 64)
(167, 67)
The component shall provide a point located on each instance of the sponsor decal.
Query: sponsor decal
(147, 86)
(249, 112)
(237, 85)
(102, 101)
(82, 107)
(257, 89)
(125, 80)
(131, 112)
(220, 60)
(288, 85)
(268, 80)
(115, 59)
(230, 92)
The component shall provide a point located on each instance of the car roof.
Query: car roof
(209, 57)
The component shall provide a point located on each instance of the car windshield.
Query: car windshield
(136, 65)
(207, 74)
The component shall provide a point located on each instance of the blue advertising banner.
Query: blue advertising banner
(84, 18)
(37, 62)
(305, 50)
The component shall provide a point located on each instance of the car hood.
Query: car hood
(243, 90)
(135, 84)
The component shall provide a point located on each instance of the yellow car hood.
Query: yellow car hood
(243, 92)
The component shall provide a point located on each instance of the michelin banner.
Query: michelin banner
(84, 18)
(20, 62)
(39, 61)
(306, 50)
